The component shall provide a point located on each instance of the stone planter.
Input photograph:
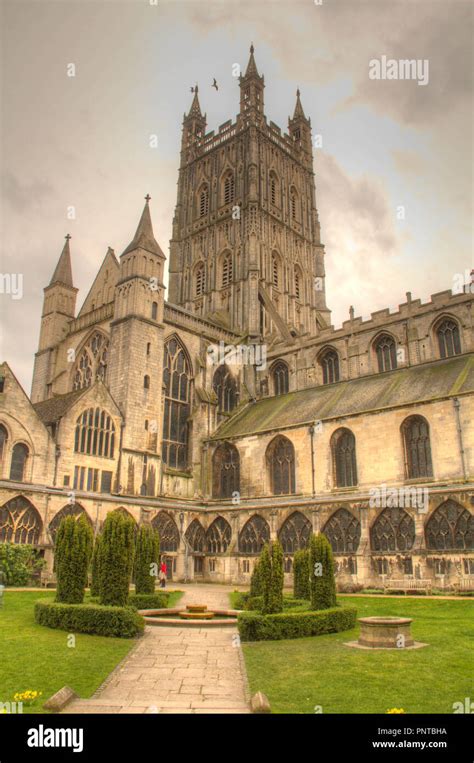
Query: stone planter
(385, 632)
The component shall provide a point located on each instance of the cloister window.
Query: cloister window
(20, 522)
(225, 471)
(225, 387)
(229, 187)
(253, 536)
(203, 201)
(196, 537)
(295, 533)
(393, 530)
(227, 269)
(344, 458)
(329, 362)
(70, 510)
(450, 528)
(20, 455)
(199, 279)
(280, 378)
(386, 351)
(343, 532)
(281, 466)
(416, 440)
(166, 527)
(92, 361)
(177, 391)
(448, 338)
(95, 433)
(218, 536)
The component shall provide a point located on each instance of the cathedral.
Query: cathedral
(233, 412)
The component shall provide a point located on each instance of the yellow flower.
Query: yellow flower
(396, 710)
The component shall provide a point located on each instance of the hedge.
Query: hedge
(19, 564)
(148, 600)
(255, 603)
(257, 627)
(72, 555)
(116, 554)
(89, 618)
(321, 567)
(147, 558)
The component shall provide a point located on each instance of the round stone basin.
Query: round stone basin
(196, 607)
(385, 632)
(177, 617)
(196, 615)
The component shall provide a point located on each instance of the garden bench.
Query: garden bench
(408, 586)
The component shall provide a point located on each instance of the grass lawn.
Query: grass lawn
(298, 675)
(38, 658)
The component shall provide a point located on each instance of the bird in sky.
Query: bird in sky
(214, 84)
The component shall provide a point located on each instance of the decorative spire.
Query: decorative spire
(252, 66)
(144, 237)
(63, 271)
(299, 113)
(195, 110)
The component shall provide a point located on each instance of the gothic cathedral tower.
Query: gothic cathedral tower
(246, 248)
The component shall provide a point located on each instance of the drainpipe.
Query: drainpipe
(311, 432)
(457, 405)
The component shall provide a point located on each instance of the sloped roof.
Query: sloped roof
(63, 270)
(50, 411)
(405, 386)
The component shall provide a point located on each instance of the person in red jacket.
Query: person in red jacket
(163, 572)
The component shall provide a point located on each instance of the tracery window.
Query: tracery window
(253, 536)
(70, 510)
(229, 184)
(166, 527)
(225, 387)
(20, 522)
(177, 391)
(227, 269)
(450, 528)
(386, 351)
(218, 536)
(329, 363)
(95, 433)
(196, 537)
(225, 471)
(294, 204)
(3, 440)
(92, 361)
(295, 533)
(448, 338)
(275, 271)
(297, 283)
(200, 279)
(281, 466)
(343, 532)
(203, 200)
(273, 189)
(344, 458)
(393, 530)
(20, 455)
(280, 378)
(416, 439)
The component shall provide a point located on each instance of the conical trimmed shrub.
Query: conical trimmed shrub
(323, 583)
(95, 584)
(147, 554)
(272, 577)
(115, 558)
(72, 555)
(256, 587)
(301, 574)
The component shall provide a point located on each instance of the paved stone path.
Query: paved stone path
(178, 670)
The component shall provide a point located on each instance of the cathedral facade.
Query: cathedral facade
(233, 412)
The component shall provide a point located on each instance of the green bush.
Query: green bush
(301, 574)
(257, 627)
(256, 582)
(147, 557)
(116, 554)
(148, 600)
(272, 576)
(89, 618)
(95, 577)
(19, 564)
(255, 603)
(72, 555)
(323, 582)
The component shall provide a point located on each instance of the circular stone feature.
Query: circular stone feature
(385, 632)
(196, 607)
(199, 615)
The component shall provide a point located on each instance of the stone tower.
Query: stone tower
(246, 248)
(136, 357)
(59, 305)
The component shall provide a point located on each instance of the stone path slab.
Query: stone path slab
(178, 670)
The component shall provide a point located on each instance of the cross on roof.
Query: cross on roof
(147, 198)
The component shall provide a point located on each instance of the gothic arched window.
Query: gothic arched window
(154, 310)
(225, 387)
(295, 533)
(20, 455)
(218, 536)
(280, 376)
(386, 351)
(95, 433)
(167, 530)
(203, 200)
(92, 361)
(343, 532)
(393, 530)
(199, 279)
(274, 189)
(225, 471)
(275, 270)
(450, 528)
(229, 187)
(294, 203)
(70, 510)
(416, 440)
(3, 440)
(177, 391)
(329, 362)
(448, 338)
(298, 283)
(20, 522)
(281, 466)
(196, 537)
(253, 536)
(344, 458)
(226, 269)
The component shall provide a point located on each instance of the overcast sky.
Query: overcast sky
(84, 141)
